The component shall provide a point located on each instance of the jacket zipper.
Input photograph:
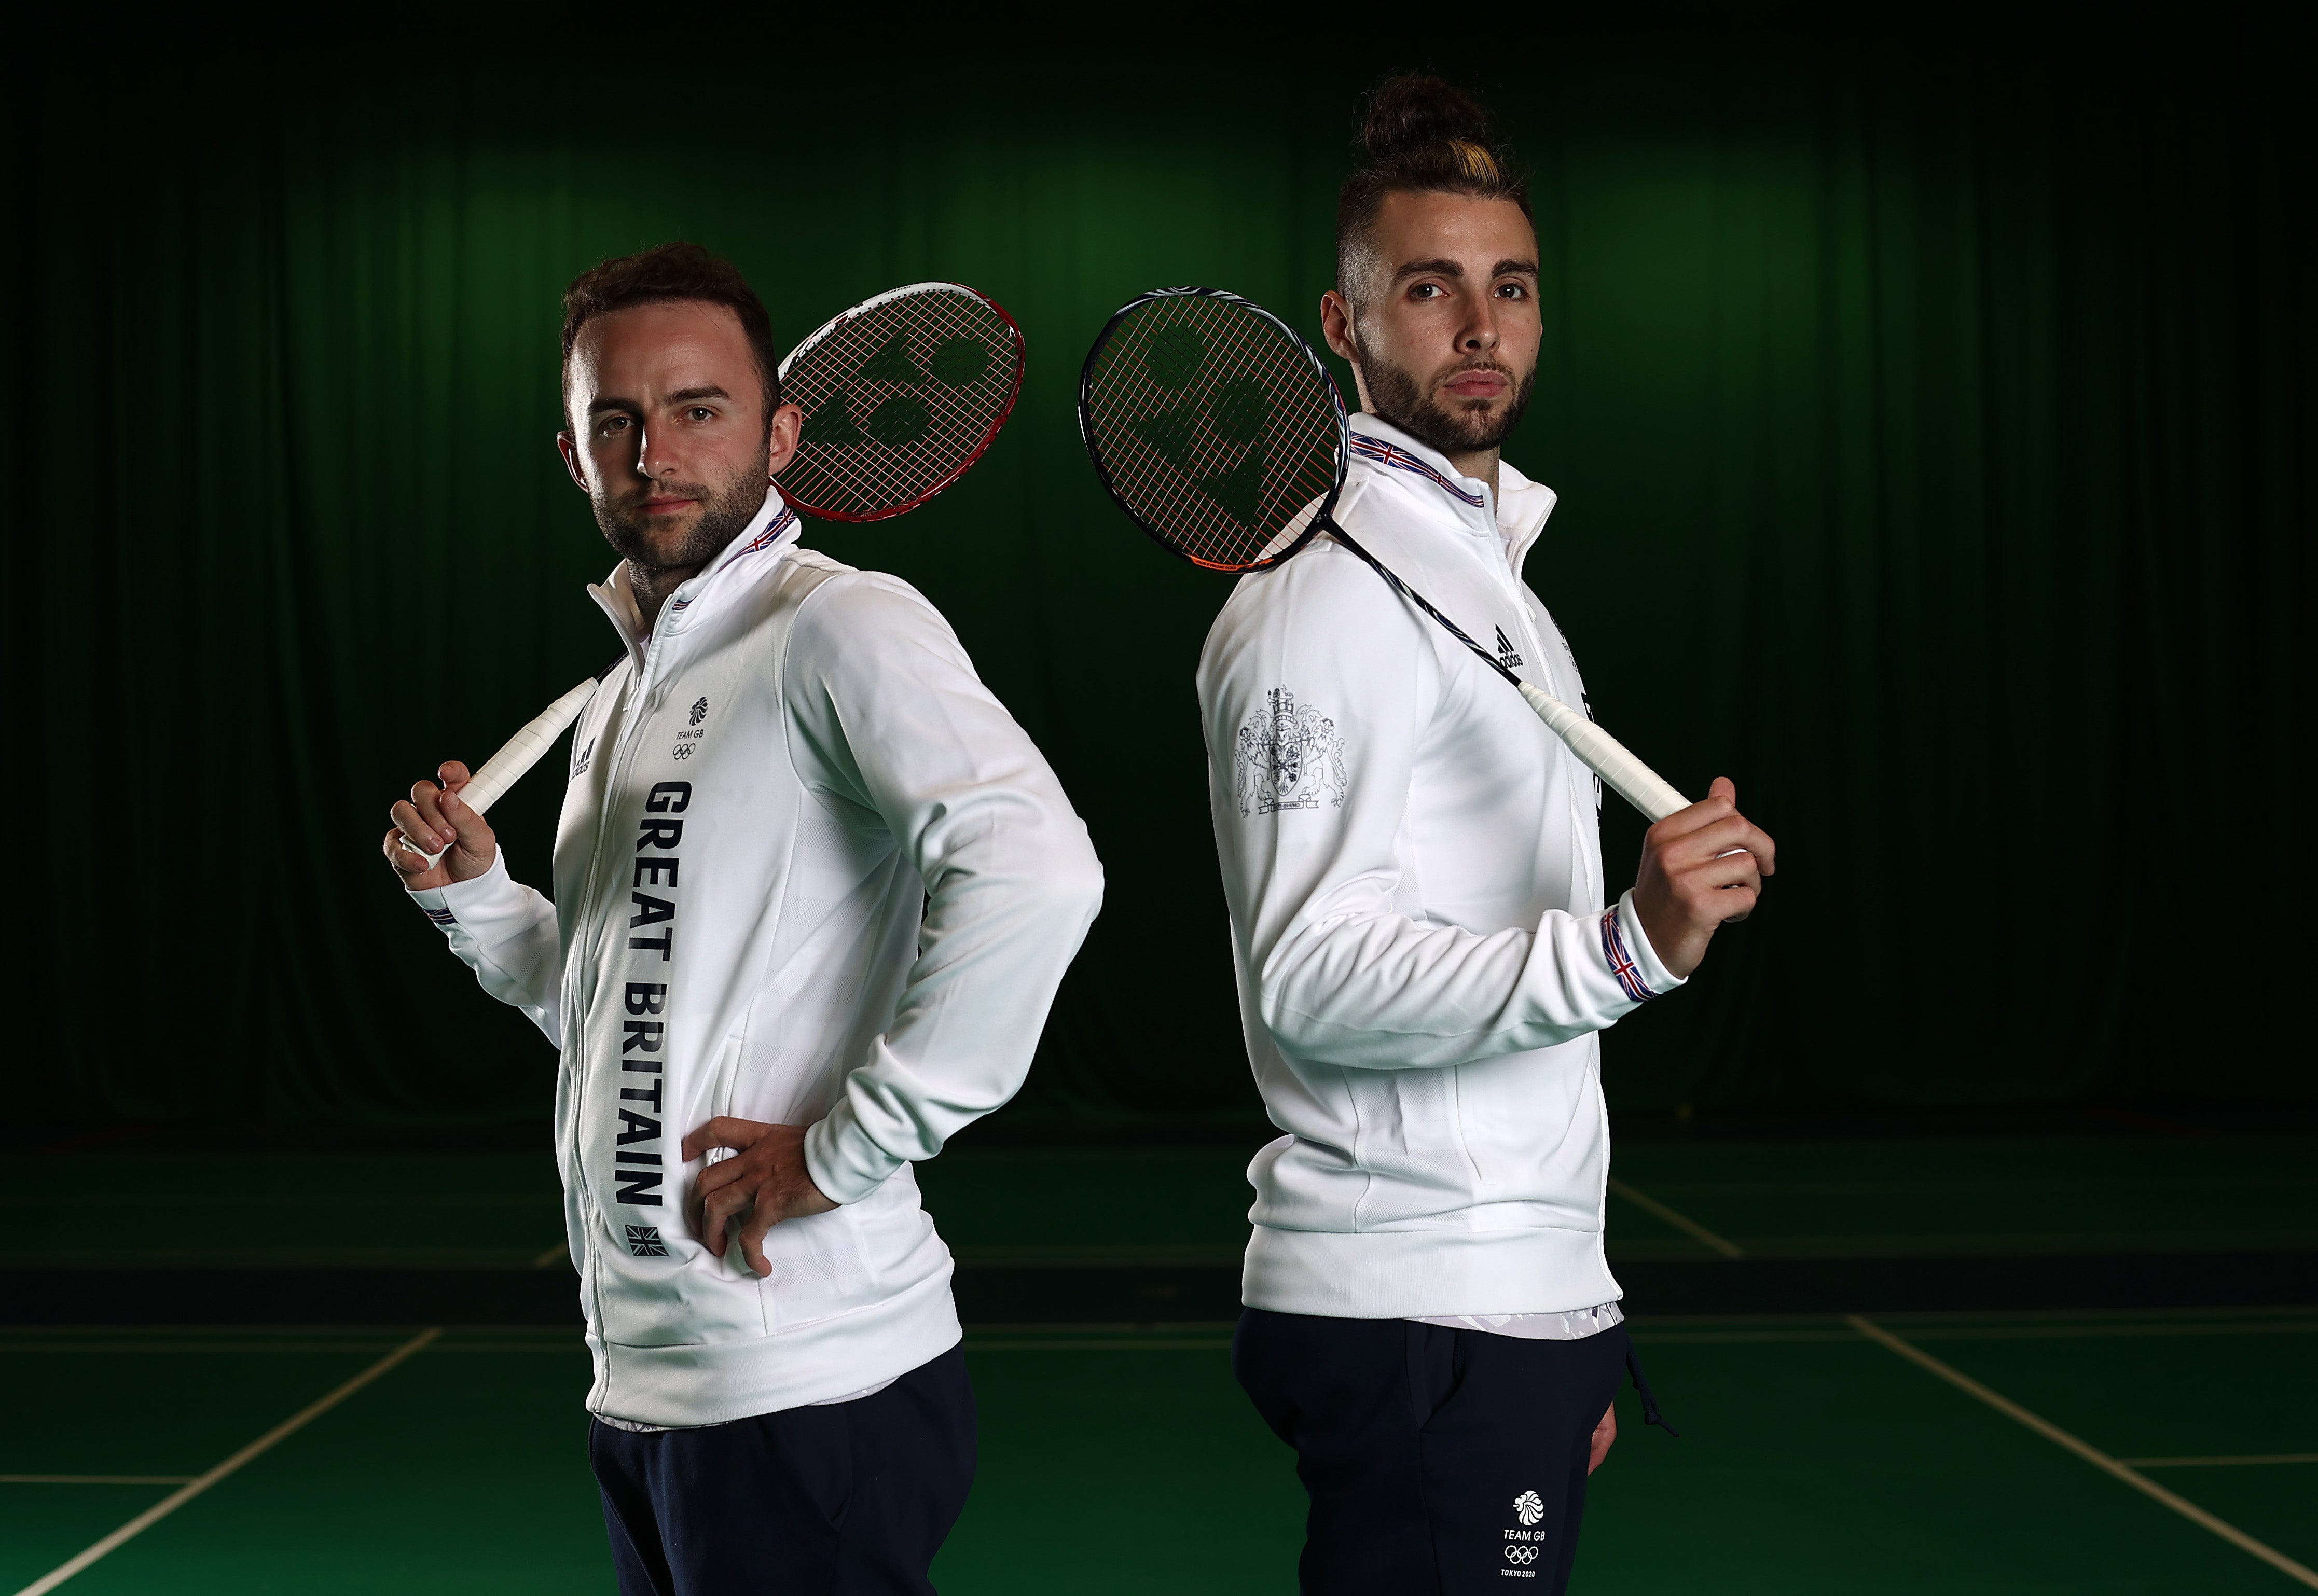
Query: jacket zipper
(1522, 600)
(623, 753)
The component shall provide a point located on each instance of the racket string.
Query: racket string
(955, 415)
(1170, 403)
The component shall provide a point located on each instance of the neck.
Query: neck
(1481, 463)
(651, 587)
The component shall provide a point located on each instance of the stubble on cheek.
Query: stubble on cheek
(1451, 426)
(695, 537)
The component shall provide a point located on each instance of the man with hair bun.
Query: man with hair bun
(1425, 947)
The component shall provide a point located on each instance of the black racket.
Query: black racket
(1221, 435)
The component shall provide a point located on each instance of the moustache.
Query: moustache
(1466, 371)
(635, 502)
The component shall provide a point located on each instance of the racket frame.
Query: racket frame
(829, 329)
(1322, 516)
(514, 760)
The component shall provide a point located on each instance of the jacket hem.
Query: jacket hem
(717, 1382)
(1409, 1274)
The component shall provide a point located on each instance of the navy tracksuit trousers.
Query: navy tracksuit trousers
(852, 1499)
(1437, 1460)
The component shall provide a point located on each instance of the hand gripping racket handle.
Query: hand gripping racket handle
(1606, 757)
(503, 769)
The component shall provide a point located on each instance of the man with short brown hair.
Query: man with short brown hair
(815, 890)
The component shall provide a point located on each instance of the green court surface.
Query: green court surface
(291, 1209)
(1867, 1198)
(1817, 1454)
(1978, 1196)
(1812, 1459)
(1888, 1197)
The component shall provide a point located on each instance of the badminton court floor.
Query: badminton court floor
(1884, 1197)
(1816, 1455)
(2052, 1453)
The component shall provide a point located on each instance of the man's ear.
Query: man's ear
(781, 439)
(1336, 326)
(569, 447)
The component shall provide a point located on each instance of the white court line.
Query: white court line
(2217, 1462)
(200, 1482)
(2089, 1453)
(1680, 1222)
(95, 1479)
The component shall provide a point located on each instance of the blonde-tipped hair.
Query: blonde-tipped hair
(1421, 136)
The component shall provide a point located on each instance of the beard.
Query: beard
(1462, 427)
(725, 509)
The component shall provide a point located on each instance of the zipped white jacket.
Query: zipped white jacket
(808, 870)
(1413, 870)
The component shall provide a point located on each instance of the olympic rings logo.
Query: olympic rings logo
(1520, 1554)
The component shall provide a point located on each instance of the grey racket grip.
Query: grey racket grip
(503, 769)
(1606, 757)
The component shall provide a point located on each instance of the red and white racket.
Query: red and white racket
(901, 394)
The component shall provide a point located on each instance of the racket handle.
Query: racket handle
(520, 752)
(503, 769)
(1606, 757)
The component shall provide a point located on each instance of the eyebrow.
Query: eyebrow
(1440, 266)
(682, 396)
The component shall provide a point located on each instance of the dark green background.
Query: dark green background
(1932, 414)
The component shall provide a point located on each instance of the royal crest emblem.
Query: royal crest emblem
(1289, 755)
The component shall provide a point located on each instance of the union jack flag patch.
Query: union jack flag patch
(1621, 963)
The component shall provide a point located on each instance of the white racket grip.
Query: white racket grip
(503, 769)
(1607, 757)
(519, 753)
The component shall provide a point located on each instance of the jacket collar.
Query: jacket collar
(773, 526)
(1517, 518)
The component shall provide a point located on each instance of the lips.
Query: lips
(1476, 385)
(667, 506)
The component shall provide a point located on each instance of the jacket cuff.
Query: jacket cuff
(843, 1160)
(1627, 949)
(466, 903)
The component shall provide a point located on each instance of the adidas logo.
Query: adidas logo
(1507, 656)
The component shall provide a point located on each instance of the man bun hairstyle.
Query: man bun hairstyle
(674, 271)
(1423, 135)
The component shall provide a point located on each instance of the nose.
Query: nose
(655, 453)
(1479, 335)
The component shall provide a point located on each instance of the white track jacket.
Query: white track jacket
(1413, 865)
(809, 870)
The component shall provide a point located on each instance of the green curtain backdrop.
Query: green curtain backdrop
(1934, 429)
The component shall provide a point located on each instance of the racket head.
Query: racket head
(901, 394)
(1214, 427)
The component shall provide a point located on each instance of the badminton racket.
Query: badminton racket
(1221, 435)
(901, 394)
